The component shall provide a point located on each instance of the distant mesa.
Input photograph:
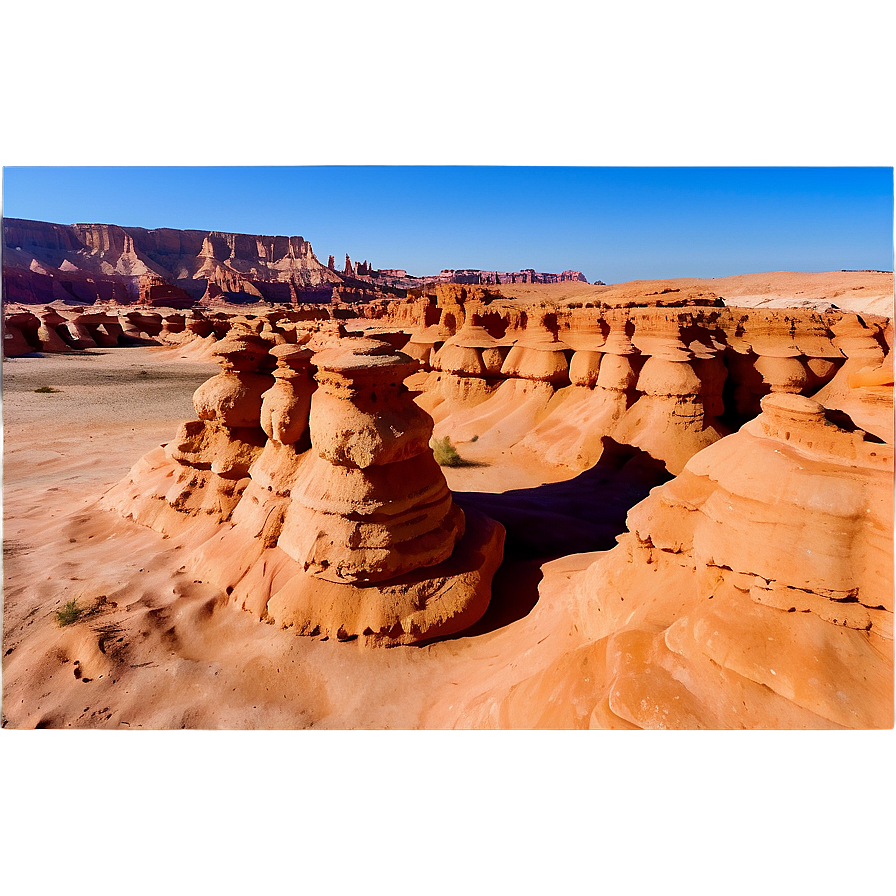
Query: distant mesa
(89, 264)
(102, 263)
(527, 275)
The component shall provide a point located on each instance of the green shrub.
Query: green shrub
(445, 453)
(69, 613)
(47, 389)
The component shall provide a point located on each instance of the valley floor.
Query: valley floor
(159, 648)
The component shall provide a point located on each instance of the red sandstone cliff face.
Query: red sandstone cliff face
(88, 263)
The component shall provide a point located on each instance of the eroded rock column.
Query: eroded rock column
(385, 552)
(214, 453)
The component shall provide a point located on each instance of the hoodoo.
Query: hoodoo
(341, 523)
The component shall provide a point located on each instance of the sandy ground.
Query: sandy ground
(160, 648)
(864, 292)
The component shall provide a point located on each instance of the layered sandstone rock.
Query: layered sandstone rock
(384, 551)
(317, 503)
(203, 471)
(95, 263)
(669, 380)
(372, 503)
(755, 590)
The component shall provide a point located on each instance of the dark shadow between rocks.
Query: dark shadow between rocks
(575, 516)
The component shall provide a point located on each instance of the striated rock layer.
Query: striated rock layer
(315, 499)
(65, 329)
(755, 590)
(552, 380)
(91, 263)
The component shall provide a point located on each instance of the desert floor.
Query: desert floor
(160, 648)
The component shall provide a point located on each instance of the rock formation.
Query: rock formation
(527, 275)
(754, 590)
(103, 263)
(669, 379)
(317, 503)
(730, 470)
(98, 263)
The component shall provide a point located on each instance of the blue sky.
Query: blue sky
(627, 140)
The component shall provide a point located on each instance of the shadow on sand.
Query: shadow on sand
(577, 516)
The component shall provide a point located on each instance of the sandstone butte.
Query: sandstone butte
(705, 490)
(105, 263)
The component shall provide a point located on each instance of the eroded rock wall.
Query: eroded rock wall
(554, 380)
(91, 263)
(755, 590)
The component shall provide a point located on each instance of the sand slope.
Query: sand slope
(160, 648)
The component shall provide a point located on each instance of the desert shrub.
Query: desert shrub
(445, 453)
(475, 439)
(69, 613)
(46, 389)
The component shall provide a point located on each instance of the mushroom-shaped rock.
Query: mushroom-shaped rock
(619, 339)
(285, 407)
(362, 414)
(234, 396)
(472, 351)
(783, 373)
(857, 339)
(425, 342)
(48, 332)
(369, 438)
(385, 552)
(538, 354)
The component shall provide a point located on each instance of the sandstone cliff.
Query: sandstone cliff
(89, 263)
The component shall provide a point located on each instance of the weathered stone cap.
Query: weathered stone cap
(291, 355)
(476, 336)
(246, 344)
(785, 406)
(361, 354)
(431, 335)
(776, 342)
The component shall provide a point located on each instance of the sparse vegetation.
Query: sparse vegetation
(445, 453)
(69, 613)
(47, 389)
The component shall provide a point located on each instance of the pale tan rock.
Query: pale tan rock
(372, 504)
(233, 398)
(538, 354)
(675, 417)
(286, 406)
(472, 351)
(361, 414)
(783, 373)
(48, 332)
(585, 367)
(424, 603)
(617, 373)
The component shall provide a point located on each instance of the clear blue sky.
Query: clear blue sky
(627, 140)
